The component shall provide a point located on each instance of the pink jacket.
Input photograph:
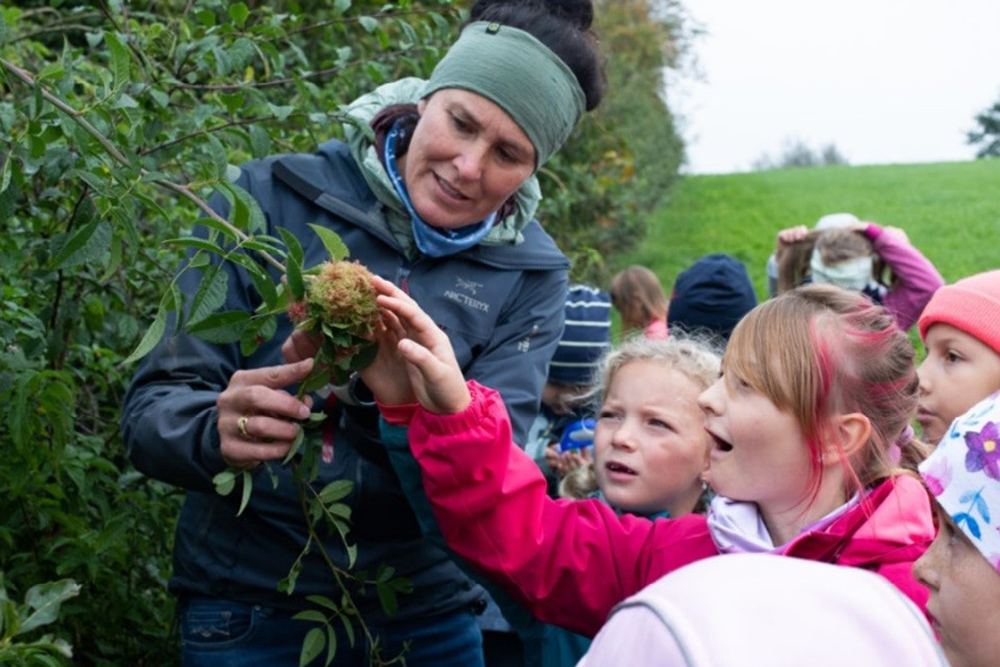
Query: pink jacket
(916, 275)
(570, 562)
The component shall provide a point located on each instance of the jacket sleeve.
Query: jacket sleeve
(516, 359)
(169, 415)
(916, 275)
(408, 470)
(568, 562)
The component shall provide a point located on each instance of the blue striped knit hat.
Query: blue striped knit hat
(586, 337)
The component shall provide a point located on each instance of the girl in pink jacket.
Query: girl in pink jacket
(817, 387)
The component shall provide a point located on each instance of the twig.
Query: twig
(225, 87)
(182, 190)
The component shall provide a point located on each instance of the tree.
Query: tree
(117, 121)
(987, 137)
(797, 154)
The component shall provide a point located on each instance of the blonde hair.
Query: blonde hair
(695, 357)
(637, 294)
(819, 351)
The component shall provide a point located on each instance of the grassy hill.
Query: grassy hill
(951, 211)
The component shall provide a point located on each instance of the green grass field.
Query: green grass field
(951, 211)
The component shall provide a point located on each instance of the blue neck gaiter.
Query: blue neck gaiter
(432, 241)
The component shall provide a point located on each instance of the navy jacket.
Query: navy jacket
(502, 307)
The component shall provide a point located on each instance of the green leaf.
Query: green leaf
(247, 490)
(296, 445)
(348, 629)
(87, 244)
(312, 646)
(341, 510)
(334, 245)
(115, 261)
(218, 155)
(224, 327)
(293, 273)
(331, 642)
(368, 23)
(195, 242)
(121, 60)
(336, 490)
(281, 112)
(261, 279)
(44, 601)
(387, 597)
(293, 245)
(260, 141)
(341, 6)
(155, 331)
(352, 554)
(324, 602)
(238, 12)
(211, 295)
(225, 482)
(51, 71)
(311, 615)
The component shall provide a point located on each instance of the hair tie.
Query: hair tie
(896, 450)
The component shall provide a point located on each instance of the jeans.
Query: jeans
(218, 633)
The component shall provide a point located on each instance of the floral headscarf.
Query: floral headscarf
(963, 473)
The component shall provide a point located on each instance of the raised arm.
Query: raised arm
(917, 277)
(567, 562)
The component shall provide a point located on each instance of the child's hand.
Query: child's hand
(387, 376)
(434, 375)
(792, 235)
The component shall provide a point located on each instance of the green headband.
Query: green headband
(520, 75)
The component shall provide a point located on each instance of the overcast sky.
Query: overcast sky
(886, 81)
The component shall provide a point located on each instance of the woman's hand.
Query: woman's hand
(257, 419)
(429, 360)
(299, 346)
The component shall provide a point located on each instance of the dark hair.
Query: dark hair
(561, 25)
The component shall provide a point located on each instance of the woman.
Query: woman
(442, 204)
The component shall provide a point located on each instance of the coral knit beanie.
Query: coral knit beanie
(971, 305)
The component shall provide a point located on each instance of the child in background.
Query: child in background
(961, 330)
(669, 374)
(793, 234)
(711, 296)
(749, 610)
(962, 567)
(855, 256)
(669, 464)
(636, 293)
(800, 459)
(585, 338)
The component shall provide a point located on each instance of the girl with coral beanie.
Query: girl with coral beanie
(960, 328)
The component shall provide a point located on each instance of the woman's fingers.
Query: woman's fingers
(257, 419)
(299, 346)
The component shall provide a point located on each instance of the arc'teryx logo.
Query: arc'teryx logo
(469, 289)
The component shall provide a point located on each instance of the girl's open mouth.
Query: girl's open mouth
(615, 467)
(721, 444)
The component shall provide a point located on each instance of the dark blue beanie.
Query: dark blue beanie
(585, 338)
(712, 295)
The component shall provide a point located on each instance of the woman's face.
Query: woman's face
(466, 157)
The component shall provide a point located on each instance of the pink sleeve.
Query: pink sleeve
(568, 562)
(917, 277)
